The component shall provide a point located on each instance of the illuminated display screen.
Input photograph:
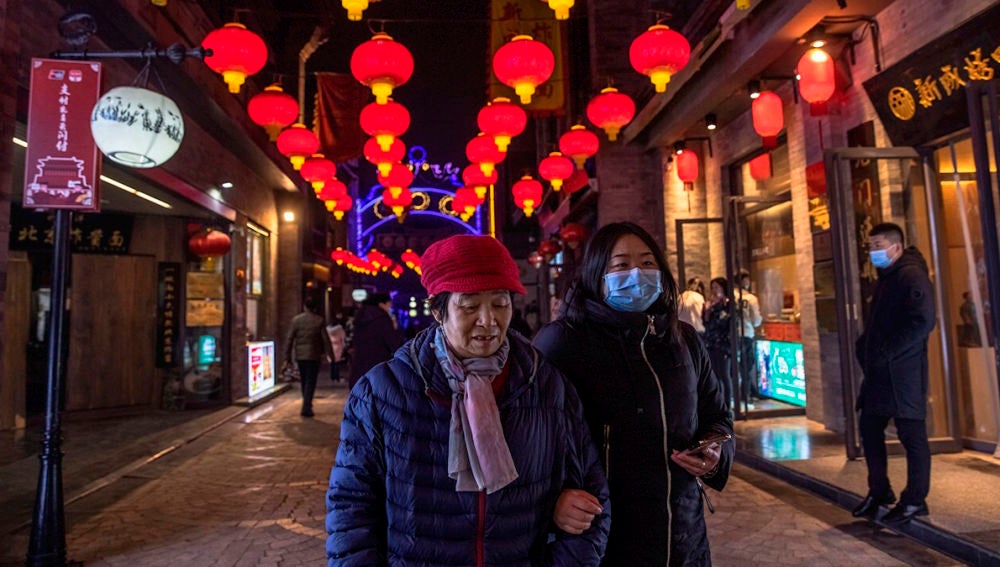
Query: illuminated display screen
(781, 372)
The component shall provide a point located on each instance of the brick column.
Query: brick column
(289, 264)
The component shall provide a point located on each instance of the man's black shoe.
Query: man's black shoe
(903, 513)
(870, 504)
(307, 413)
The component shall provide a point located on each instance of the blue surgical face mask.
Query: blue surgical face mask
(633, 291)
(880, 258)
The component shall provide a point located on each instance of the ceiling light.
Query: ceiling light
(288, 216)
(711, 121)
(754, 88)
(679, 147)
(226, 184)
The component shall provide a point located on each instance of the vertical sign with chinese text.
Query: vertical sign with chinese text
(62, 162)
(530, 17)
(167, 314)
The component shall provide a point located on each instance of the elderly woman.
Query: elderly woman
(466, 448)
(649, 395)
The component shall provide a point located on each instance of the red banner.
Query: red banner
(339, 100)
(62, 163)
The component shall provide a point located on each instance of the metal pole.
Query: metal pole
(47, 546)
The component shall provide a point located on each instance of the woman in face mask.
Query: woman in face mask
(649, 397)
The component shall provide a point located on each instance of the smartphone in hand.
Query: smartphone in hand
(700, 445)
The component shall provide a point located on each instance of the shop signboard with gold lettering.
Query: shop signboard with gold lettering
(922, 97)
(168, 314)
(104, 233)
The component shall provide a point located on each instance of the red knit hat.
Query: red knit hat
(468, 264)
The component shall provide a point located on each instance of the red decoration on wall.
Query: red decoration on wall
(768, 118)
(687, 168)
(760, 167)
(273, 109)
(209, 243)
(817, 80)
(237, 53)
(382, 64)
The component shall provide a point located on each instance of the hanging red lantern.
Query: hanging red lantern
(411, 259)
(549, 248)
(502, 120)
(355, 8)
(483, 150)
(378, 259)
(573, 234)
(332, 190)
(465, 202)
(817, 80)
(527, 194)
(760, 167)
(579, 144)
(340, 206)
(560, 7)
(209, 243)
(397, 201)
(523, 64)
(768, 117)
(535, 259)
(687, 168)
(317, 169)
(382, 64)
(273, 109)
(397, 271)
(237, 53)
(385, 122)
(339, 255)
(400, 177)
(474, 177)
(297, 143)
(555, 169)
(384, 159)
(658, 53)
(611, 110)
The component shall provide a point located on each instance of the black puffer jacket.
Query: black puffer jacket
(893, 349)
(373, 341)
(604, 353)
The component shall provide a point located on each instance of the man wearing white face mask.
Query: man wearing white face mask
(892, 352)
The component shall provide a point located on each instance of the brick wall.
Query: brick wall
(10, 11)
(288, 242)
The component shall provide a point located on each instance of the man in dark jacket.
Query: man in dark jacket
(307, 344)
(892, 352)
(374, 337)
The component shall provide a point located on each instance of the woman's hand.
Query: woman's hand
(575, 510)
(698, 464)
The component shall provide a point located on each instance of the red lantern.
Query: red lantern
(273, 109)
(527, 194)
(385, 122)
(317, 169)
(579, 144)
(209, 243)
(397, 271)
(611, 110)
(659, 52)
(339, 256)
(297, 143)
(573, 234)
(687, 168)
(555, 169)
(560, 7)
(474, 177)
(382, 64)
(483, 150)
(503, 120)
(340, 206)
(535, 259)
(400, 177)
(768, 117)
(332, 190)
(523, 64)
(411, 259)
(236, 54)
(397, 201)
(549, 248)
(378, 259)
(384, 159)
(355, 8)
(760, 167)
(465, 202)
(817, 79)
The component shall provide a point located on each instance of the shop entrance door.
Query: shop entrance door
(868, 186)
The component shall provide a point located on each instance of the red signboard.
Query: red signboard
(63, 163)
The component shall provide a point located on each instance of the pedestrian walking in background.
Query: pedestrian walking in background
(892, 352)
(718, 333)
(307, 344)
(338, 342)
(691, 305)
(459, 449)
(375, 336)
(750, 319)
(649, 394)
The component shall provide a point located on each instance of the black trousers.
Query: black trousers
(720, 365)
(308, 372)
(748, 369)
(913, 436)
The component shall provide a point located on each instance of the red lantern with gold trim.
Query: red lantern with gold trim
(817, 80)
(385, 122)
(465, 202)
(332, 190)
(340, 206)
(398, 201)
(483, 150)
(317, 170)
(273, 109)
(611, 110)
(658, 53)
(560, 7)
(237, 53)
(760, 167)
(573, 234)
(503, 120)
(549, 248)
(400, 177)
(523, 64)
(209, 243)
(555, 169)
(579, 144)
(382, 64)
(474, 177)
(527, 194)
(384, 159)
(768, 118)
(297, 143)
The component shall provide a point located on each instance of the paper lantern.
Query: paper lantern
(556, 168)
(412, 260)
(397, 201)
(658, 53)
(560, 7)
(273, 109)
(465, 202)
(297, 143)
(332, 190)
(536, 259)
(503, 120)
(338, 206)
(385, 122)
(687, 168)
(817, 80)
(317, 170)
(400, 177)
(382, 64)
(768, 117)
(237, 53)
(339, 255)
(527, 194)
(760, 167)
(611, 110)
(137, 127)
(549, 248)
(383, 159)
(523, 64)
(573, 234)
(483, 150)
(579, 144)
(474, 177)
(209, 243)
(355, 8)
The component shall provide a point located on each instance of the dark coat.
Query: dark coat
(307, 338)
(892, 350)
(391, 501)
(373, 340)
(604, 353)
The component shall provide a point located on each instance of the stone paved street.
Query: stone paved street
(250, 493)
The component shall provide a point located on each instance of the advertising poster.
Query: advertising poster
(260, 356)
(62, 162)
(781, 371)
(205, 313)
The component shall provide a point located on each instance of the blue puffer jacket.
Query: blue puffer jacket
(391, 501)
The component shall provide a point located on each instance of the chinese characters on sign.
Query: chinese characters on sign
(62, 161)
(167, 314)
(105, 233)
(534, 18)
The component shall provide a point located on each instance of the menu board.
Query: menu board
(260, 377)
(781, 371)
